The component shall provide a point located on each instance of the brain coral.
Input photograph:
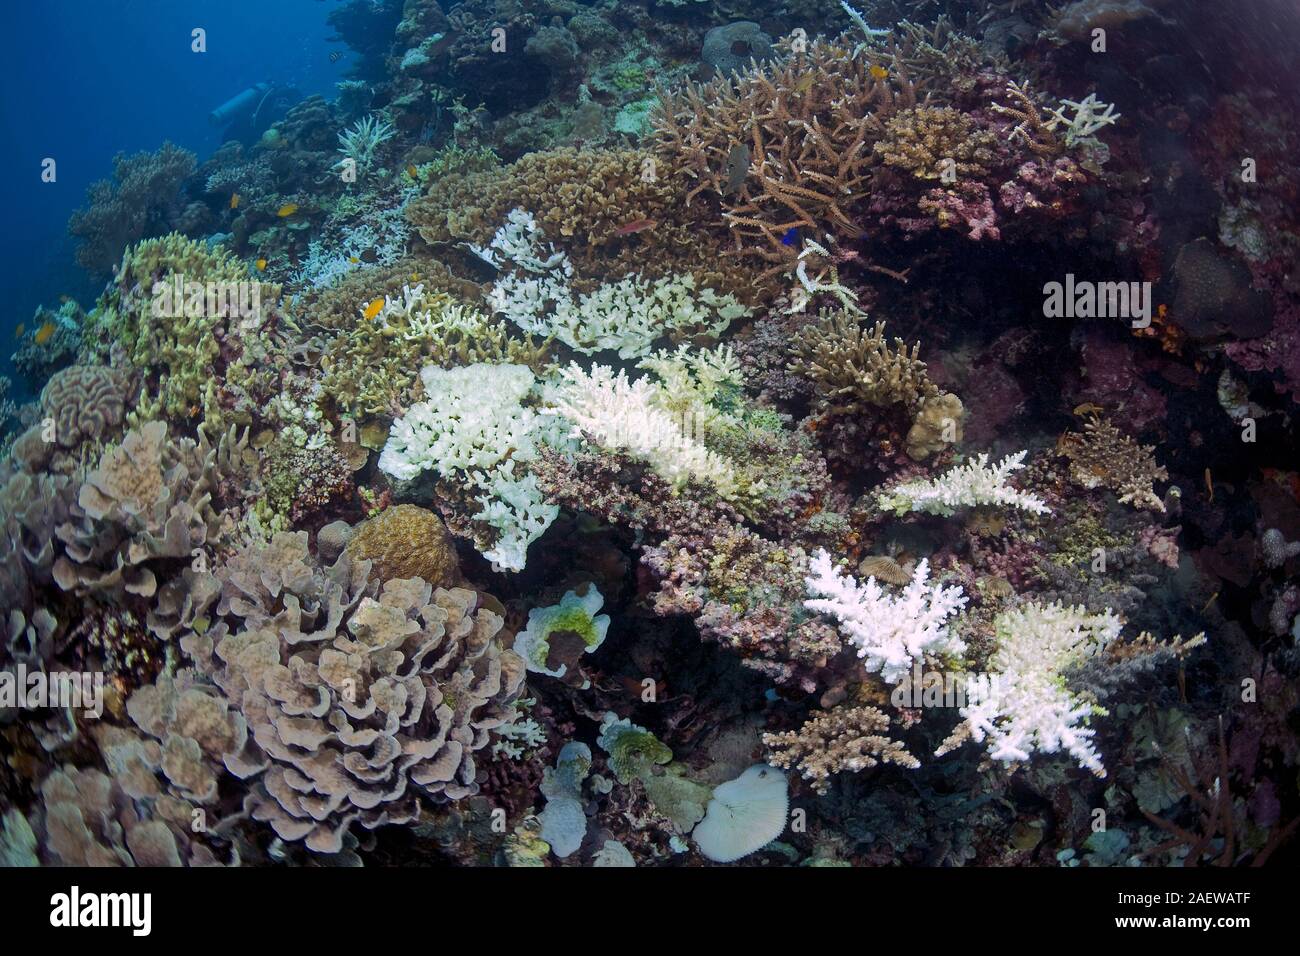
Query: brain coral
(353, 701)
(86, 402)
(406, 541)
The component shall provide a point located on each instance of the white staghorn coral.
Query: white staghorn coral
(965, 486)
(1025, 707)
(888, 632)
(1089, 117)
(627, 316)
(620, 414)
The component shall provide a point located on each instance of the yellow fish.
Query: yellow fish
(412, 171)
(18, 332)
(374, 308)
(234, 201)
(288, 209)
(805, 83)
(43, 333)
(261, 265)
(879, 72)
(353, 259)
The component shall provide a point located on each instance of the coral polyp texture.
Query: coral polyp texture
(665, 434)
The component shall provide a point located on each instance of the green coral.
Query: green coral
(632, 749)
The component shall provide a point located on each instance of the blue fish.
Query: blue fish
(791, 236)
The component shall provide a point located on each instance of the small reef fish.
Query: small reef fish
(288, 209)
(353, 259)
(234, 201)
(261, 265)
(791, 237)
(413, 172)
(18, 332)
(805, 83)
(43, 333)
(373, 309)
(635, 226)
(336, 55)
(737, 167)
(879, 72)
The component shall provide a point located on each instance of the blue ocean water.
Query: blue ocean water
(87, 79)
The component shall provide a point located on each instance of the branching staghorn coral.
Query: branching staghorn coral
(360, 142)
(1026, 704)
(785, 145)
(1103, 456)
(619, 414)
(627, 316)
(852, 366)
(888, 632)
(834, 741)
(965, 486)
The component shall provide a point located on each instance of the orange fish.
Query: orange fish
(288, 209)
(18, 332)
(44, 333)
(261, 265)
(374, 308)
(635, 226)
(234, 201)
(879, 72)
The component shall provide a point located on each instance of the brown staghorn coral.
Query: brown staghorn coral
(785, 145)
(843, 739)
(149, 500)
(141, 199)
(852, 366)
(1103, 456)
(406, 541)
(353, 701)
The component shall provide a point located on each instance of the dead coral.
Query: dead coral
(1103, 456)
(844, 739)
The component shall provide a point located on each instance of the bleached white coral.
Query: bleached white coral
(699, 385)
(1089, 117)
(473, 429)
(965, 486)
(472, 420)
(517, 510)
(627, 316)
(623, 415)
(1024, 706)
(889, 632)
